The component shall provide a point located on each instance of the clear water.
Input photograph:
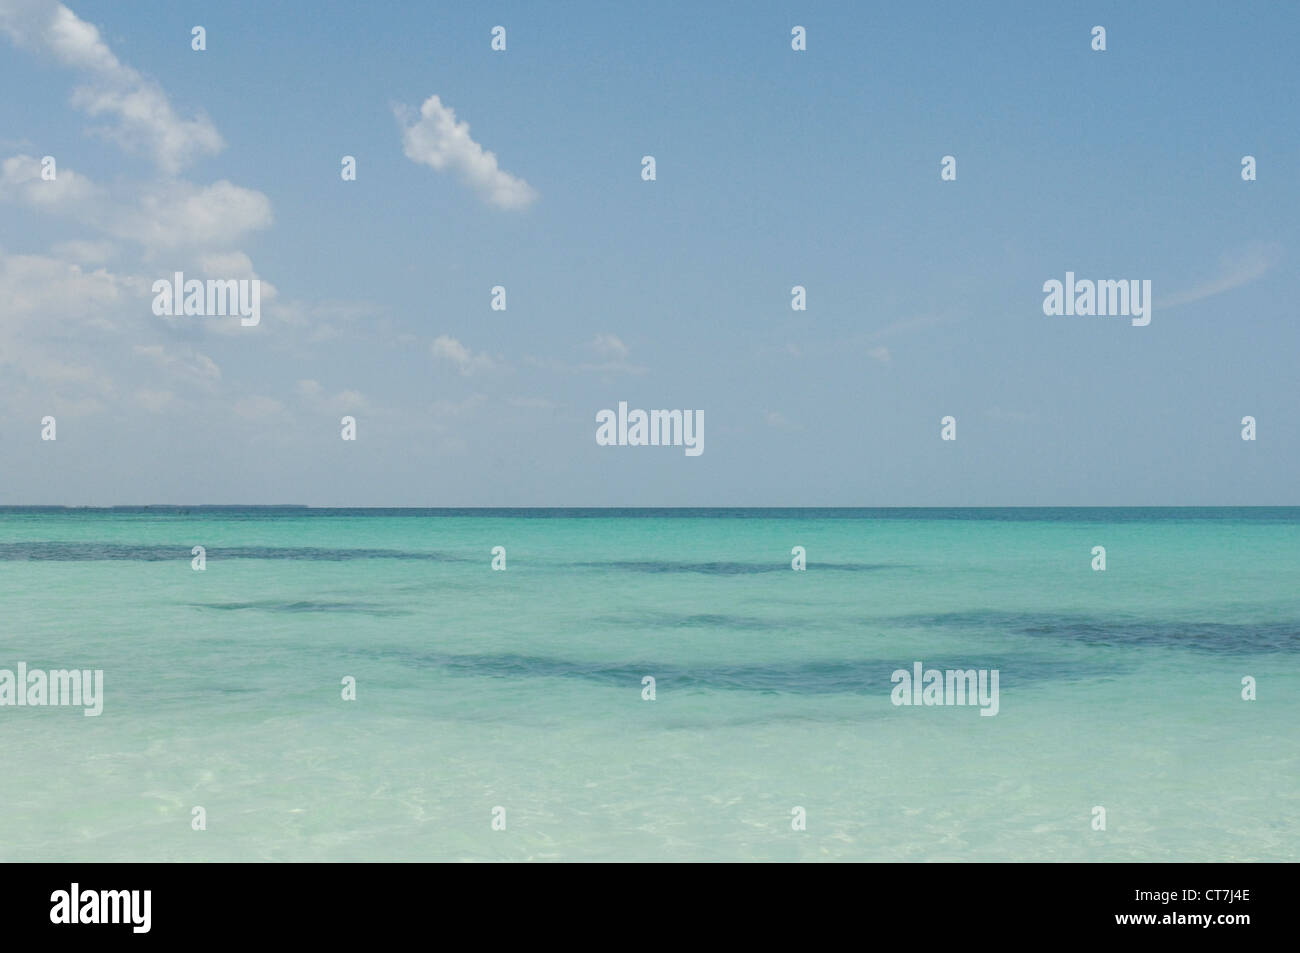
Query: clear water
(522, 689)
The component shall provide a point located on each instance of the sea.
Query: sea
(652, 685)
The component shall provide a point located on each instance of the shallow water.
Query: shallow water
(523, 689)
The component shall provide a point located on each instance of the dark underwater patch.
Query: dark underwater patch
(823, 677)
(724, 568)
(134, 552)
(1219, 637)
(302, 605)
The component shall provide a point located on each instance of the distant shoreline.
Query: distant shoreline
(879, 512)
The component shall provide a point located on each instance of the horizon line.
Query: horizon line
(959, 506)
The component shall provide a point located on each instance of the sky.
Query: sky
(522, 168)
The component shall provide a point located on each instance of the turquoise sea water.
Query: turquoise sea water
(523, 689)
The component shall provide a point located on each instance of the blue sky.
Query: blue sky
(774, 168)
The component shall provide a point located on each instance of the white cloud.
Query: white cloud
(778, 421)
(174, 214)
(231, 264)
(436, 139)
(1235, 269)
(57, 322)
(187, 363)
(309, 389)
(55, 371)
(922, 322)
(20, 181)
(142, 115)
(446, 348)
(68, 325)
(612, 351)
(313, 395)
(181, 214)
(37, 284)
(609, 346)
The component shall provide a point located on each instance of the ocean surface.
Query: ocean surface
(523, 689)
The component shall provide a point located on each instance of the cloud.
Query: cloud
(182, 214)
(778, 421)
(142, 117)
(868, 342)
(608, 346)
(317, 321)
(921, 322)
(1235, 269)
(37, 285)
(174, 214)
(613, 351)
(187, 363)
(436, 139)
(53, 371)
(20, 181)
(312, 394)
(57, 322)
(69, 325)
(448, 349)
